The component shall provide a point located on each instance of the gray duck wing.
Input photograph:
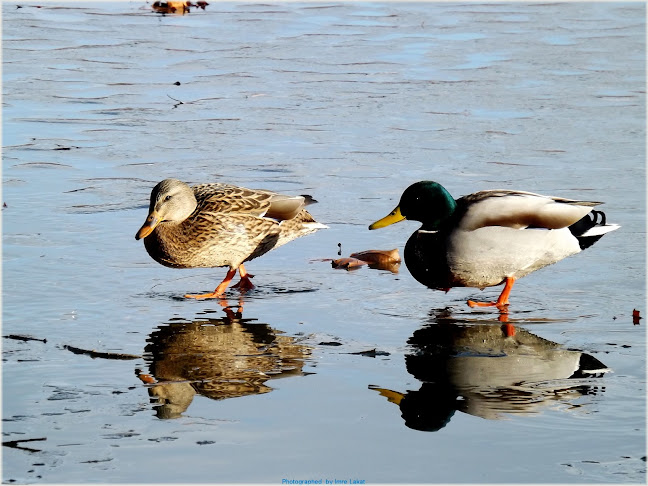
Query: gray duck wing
(519, 209)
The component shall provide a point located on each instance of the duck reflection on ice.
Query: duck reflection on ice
(218, 358)
(487, 371)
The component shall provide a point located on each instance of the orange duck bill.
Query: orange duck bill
(149, 225)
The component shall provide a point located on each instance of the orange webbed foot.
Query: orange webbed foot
(209, 295)
(502, 307)
(220, 290)
(502, 302)
(245, 283)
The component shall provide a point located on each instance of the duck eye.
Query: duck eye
(168, 198)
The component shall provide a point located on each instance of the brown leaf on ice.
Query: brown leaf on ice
(635, 317)
(378, 256)
(347, 263)
(377, 259)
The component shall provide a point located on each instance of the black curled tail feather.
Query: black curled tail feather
(583, 225)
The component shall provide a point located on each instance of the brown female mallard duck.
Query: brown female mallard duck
(491, 237)
(219, 225)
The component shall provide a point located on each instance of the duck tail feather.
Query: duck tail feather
(589, 229)
(314, 226)
(308, 199)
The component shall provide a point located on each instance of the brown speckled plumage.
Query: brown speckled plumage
(217, 225)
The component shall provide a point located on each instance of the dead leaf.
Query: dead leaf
(377, 259)
(378, 256)
(347, 263)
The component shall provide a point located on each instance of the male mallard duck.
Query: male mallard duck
(490, 237)
(219, 225)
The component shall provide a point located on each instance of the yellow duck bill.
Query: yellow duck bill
(394, 217)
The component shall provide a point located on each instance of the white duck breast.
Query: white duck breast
(487, 256)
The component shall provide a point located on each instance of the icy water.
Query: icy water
(109, 375)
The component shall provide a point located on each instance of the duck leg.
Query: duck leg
(502, 302)
(245, 283)
(229, 310)
(219, 290)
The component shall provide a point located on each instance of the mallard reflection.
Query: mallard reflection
(488, 371)
(218, 358)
